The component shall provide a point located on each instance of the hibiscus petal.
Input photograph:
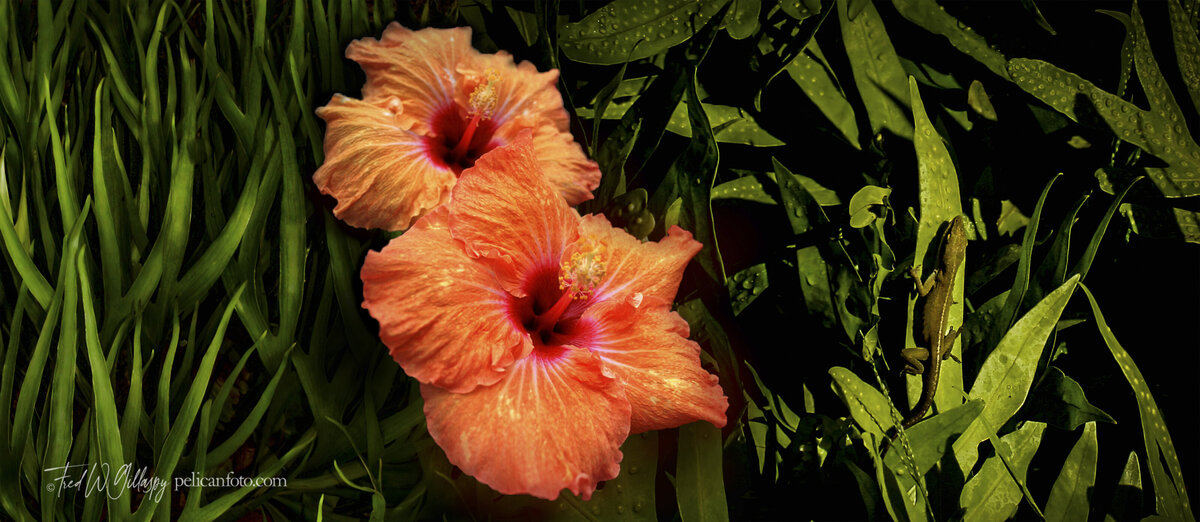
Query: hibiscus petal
(653, 269)
(377, 169)
(645, 345)
(551, 423)
(416, 66)
(503, 208)
(567, 168)
(435, 70)
(524, 97)
(440, 312)
(528, 99)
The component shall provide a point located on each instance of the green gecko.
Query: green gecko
(938, 292)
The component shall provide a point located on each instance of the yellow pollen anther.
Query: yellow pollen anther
(582, 273)
(484, 97)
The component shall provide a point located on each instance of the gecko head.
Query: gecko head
(956, 241)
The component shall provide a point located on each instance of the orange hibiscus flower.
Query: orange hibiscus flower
(431, 106)
(542, 339)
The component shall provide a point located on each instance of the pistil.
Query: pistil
(549, 318)
(579, 277)
(483, 104)
(465, 141)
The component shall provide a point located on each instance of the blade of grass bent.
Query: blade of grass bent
(61, 433)
(108, 432)
(173, 445)
(28, 272)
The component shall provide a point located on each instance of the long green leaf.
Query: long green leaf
(699, 485)
(993, 493)
(869, 408)
(695, 173)
(1007, 374)
(172, 447)
(877, 70)
(29, 273)
(1127, 496)
(108, 430)
(60, 421)
(1089, 254)
(235, 440)
(813, 75)
(934, 18)
(1170, 493)
(1187, 48)
(1069, 496)
(1016, 295)
(937, 184)
(610, 35)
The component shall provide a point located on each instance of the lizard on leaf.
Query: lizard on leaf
(938, 291)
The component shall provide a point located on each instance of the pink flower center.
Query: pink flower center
(556, 297)
(459, 141)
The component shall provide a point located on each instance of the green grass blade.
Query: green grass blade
(608, 35)
(132, 414)
(931, 438)
(225, 450)
(933, 18)
(162, 406)
(205, 271)
(106, 224)
(343, 273)
(28, 272)
(11, 498)
(68, 200)
(32, 384)
(108, 430)
(60, 422)
(203, 434)
(213, 509)
(815, 78)
(173, 445)
(1187, 49)
(227, 387)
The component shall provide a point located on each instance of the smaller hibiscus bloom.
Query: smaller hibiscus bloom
(432, 105)
(542, 339)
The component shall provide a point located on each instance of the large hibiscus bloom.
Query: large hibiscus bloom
(431, 106)
(541, 339)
